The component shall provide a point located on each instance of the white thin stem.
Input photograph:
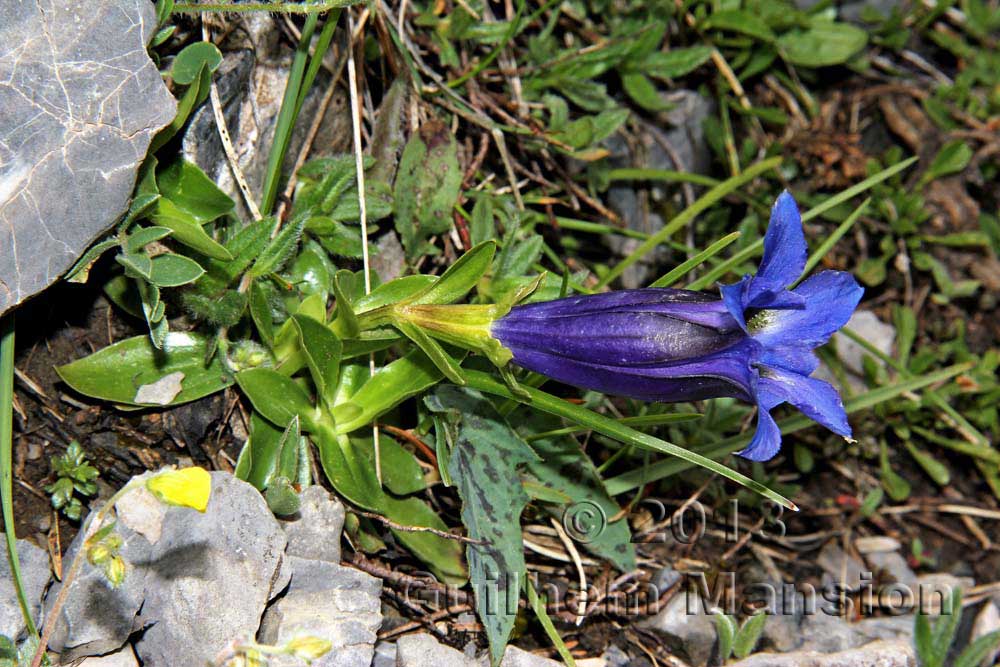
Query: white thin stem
(359, 165)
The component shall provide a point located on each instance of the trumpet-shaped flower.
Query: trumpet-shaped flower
(755, 343)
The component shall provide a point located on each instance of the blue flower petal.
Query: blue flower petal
(784, 244)
(796, 358)
(735, 298)
(815, 398)
(766, 440)
(830, 300)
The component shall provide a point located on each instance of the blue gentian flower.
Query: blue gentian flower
(755, 343)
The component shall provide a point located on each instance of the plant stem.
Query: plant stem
(6, 459)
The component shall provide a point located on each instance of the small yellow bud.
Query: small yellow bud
(308, 647)
(114, 570)
(188, 487)
(98, 554)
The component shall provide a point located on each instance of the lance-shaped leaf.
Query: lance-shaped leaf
(427, 185)
(391, 385)
(484, 465)
(80, 101)
(120, 371)
(277, 397)
(278, 250)
(460, 277)
(322, 350)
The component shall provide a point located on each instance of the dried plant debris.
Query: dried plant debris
(80, 101)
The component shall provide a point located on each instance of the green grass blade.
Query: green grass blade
(286, 116)
(6, 460)
(832, 239)
(727, 266)
(661, 469)
(841, 197)
(665, 175)
(701, 257)
(553, 405)
(685, 217)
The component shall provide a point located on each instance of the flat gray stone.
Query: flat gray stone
(867, 325)
(123, 658)
(209, 576)
(315, 532)
(827, 634)
(331, 602)
(80, 101)
(422, 650)
(515, 657)
(877, 654)
(842, 568)
(385, 654)
(35, 575)
(690, 632)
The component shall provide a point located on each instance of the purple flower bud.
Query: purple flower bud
(755, 343)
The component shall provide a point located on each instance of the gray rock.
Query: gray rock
(422, 650)
(686, 141)
(123, 658)
(826, 634)
(687, 629)
(987, 621)
(35, 576)
(876, 654)
(515, 657)
(315, 532)
(80, 101)
(96, 618)
(209, 576)
(615, 657)
(893, 565)
(385, 654)
(867, 325)
(200, 580)
(842, 568)
(331, 602)
(665, 579)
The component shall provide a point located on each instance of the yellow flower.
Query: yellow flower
(188, 487)
(308, 648)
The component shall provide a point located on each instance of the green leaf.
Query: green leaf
(390, 386)
(81, 270)
(172, 270)
(564, 467)
(193, 192)
(437, 354)
(260, 312)
(193, 96)
(401, 473)
(953, 157)
(643, 92)
(188, 63)
(484, 463)
(460, 277)
(278, 250)
(975, 653)
(744, 22)
(725, 630)
(897, 487)
(676, 62)
(825, 43)
(322, 350)
(258, 460)
(278, 398)
(427, 185)
(943, 634)
(139, 239)
(923, 639)
(749, 635)
(116, 372)
(934, 468)
(394, 291)
(281, 497)
(311, 271)
(187, 230)
(346, 324)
